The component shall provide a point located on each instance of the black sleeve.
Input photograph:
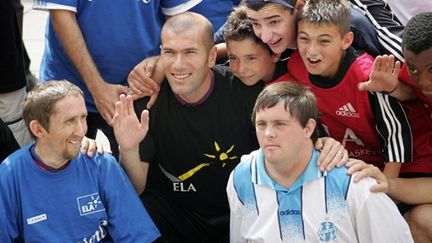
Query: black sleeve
(393, 126)
(8, 144)
(385, 23)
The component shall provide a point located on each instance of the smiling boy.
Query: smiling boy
(372, 126)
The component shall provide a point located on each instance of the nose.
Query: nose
(178, 61)
(312, 49)
(269, 133)
(266, 35)
(241, 67)
(81, 128)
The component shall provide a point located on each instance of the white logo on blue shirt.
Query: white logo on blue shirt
(327, 231)
(89, 204)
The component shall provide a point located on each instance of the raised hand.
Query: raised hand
(384, 75)
(128, 130)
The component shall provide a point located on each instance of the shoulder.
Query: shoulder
(98, 161)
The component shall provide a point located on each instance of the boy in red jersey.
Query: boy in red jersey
(417, 96)
(372, 126)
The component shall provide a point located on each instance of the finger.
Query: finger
(133, 89)
(149, 68)
(397, 68)
(364, 86)
(100, 148)
(84, 145)
(377, 63)
(344, 159)
(145, 118)
(152, 100)
(129, 105)
(338, 158)
(115, 120)
(381, 187)
(91, 148)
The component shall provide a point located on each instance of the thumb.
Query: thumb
(364, 86)
(122, 89)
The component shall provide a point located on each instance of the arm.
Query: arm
(128, 221)
(235, 212)
(129, 132)
(411, 190)
(104, 94)
(393, 127)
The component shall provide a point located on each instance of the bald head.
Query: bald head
(193, 22)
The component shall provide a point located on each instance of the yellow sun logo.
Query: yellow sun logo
(221, 155)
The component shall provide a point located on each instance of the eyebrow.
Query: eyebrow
(323, 35)
(266, 18)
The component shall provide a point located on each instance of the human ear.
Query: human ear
(212, 56)
(36, 128)
(347, 40)
(310, 128)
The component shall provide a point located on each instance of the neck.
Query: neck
(46, 156)
(287, 172)
(201, 93)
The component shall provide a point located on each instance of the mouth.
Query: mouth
(75, 142)
(181, 76)
(274, 43)
(313, 61)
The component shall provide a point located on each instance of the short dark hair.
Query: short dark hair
(256, 5)
(41, 101)
(417, 35)
(239, 28)
(188, 20)
(335, 12)
(298, 100)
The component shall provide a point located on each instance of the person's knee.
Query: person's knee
(419, 219)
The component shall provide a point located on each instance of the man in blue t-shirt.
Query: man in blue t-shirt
(95, 44)
(52, 192)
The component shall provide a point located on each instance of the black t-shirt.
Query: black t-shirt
(12, 76)
(8, 144)
(193, 149)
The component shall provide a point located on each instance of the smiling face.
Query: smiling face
(186, 61)
(251, 62)
(322, 47)
(67, 127)
(275, 26)
(281, 136)
(420, 69)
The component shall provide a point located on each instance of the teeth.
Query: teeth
(181, 76)
(313, 59)
(274, 42)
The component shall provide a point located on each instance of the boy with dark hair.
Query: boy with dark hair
(250, 59)
(416, 92)
(372, 126)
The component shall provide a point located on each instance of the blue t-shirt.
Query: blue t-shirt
(80, 203)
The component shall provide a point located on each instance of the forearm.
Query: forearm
(412, 190)
(392, 169)
(403, 92)
(134, 168)
(67, 29)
